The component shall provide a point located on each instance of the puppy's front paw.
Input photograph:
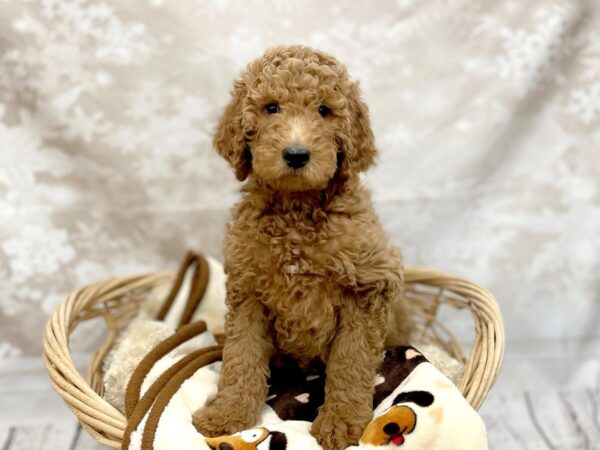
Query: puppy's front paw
(337, 431)
(217, 419)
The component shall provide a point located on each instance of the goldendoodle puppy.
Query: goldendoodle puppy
(310, 270)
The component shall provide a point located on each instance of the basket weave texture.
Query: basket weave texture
(117, 301)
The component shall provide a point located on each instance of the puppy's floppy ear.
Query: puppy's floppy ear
(229, 139)
(360, 146)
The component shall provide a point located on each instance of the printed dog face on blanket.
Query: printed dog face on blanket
(253, 439)
(390, 428)
(398, 421)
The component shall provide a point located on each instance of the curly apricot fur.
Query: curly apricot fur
(310, 270)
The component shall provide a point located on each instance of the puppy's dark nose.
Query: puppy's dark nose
(296, 156)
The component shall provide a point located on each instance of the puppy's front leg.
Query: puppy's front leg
(243, 380)
(354, 358)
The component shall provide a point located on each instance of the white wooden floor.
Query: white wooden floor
(536, 405)
(32, 415)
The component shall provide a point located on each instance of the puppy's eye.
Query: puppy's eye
(272, 108)
(324, 110)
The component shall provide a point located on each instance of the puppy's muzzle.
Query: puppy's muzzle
(296, 157)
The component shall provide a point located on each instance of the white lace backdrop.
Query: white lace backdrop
(486, 115)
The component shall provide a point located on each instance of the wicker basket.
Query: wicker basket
(117, 300)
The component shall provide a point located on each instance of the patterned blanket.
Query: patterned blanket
(414, 405)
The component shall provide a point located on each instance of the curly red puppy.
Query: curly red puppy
(310, 270)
